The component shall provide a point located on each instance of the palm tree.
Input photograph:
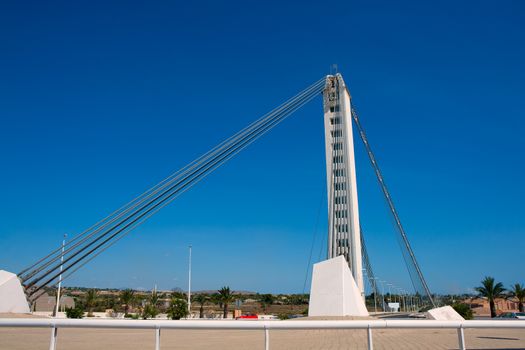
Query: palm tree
(154, 298)
(151, 309)
(518, 291)
(225, 296)
(126, 297)
(216, 299)
(91, 300)
(201, 299)
(491, 290)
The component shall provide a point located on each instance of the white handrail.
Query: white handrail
(157, 325)
(249, 324)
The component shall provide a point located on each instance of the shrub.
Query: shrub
(283, 316)
(178, 309)
(150, 311)
(464, 310)
(76, 312)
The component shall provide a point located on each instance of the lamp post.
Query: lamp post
(363, 272)
(55, 312)
(402, 297)
(394, 288)
(383, 296)
(397, 298)
(189, 282)
(375, 294)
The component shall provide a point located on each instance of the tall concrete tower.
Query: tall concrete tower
(344, 235)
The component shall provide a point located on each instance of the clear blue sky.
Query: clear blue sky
(101, 100)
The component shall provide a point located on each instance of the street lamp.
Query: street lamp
(375, 294)
(189, 282)
(383, 294)
(403, 298)
(364, 285)
(55, 313)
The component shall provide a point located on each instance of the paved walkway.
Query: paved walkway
(84, 339)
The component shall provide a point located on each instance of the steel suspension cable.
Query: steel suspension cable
(127, 231)
(412, 258)
(181, 173)
(101, 244)
(315, 90)
(368, 265)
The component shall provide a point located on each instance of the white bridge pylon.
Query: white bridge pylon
(344, 235)
(345, 297)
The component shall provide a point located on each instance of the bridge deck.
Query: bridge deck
(125, 339)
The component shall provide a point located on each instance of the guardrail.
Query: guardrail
(265, 326)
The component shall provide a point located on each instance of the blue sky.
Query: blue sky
(101, 100)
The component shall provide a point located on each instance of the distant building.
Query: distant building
(481, 306)
(47, 303)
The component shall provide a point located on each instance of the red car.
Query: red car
(248, 317)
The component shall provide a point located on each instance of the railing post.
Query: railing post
(53, 341)
(266, 338)
(157, 338)
(370, 340)
(461, 338)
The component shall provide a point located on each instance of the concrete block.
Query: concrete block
(334, 291)
(12, 296)
(445, 313)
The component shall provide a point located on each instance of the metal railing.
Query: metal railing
(265, 326)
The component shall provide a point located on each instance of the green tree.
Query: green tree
(491, 290)
(126, 297)
(178, 294)
(201, 299)
(216, 299)
(154, 298)
(91, 301)
(178, 308)
(518, 291)
(151, 309)
(225, 297)
(76, 312)
(110, 302)
(464, 310)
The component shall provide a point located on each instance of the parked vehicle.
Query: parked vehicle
(512, 315)
(248, 317)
